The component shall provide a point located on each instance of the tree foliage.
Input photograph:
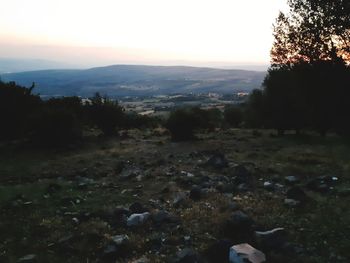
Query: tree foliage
(313, 30)
(233, 116)
(307, 85)
(17, 105)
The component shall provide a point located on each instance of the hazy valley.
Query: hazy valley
(133, 80)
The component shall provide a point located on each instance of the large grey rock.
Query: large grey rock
(242, 253)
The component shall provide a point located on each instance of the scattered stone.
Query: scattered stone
(187, 239)
(296, 193)
(53, 188)
(322, 184)
(344, 192)
(217, 252)
(141, 260)
(137, 208)
(28, 258)
(187, 174)
(233, 206)
(196, 193)
(273, 239)
(117, 217)
(120, 239)
(279, 187)
(75, 220)
(225, 187)
(269, 186)
(217, 161)
(118, 247)
(241, 174)
(163, 216)
(242, 178)
(242, 252)
(291, 180)
(242, 188)
(187, 255)
(256, 133)
(137, 219)
(130, 173)
(238, 225)
(180, 199)
(83, 182)
(65, 239)
(110, 251)
(291, 202)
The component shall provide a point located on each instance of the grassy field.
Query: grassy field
(60, 205)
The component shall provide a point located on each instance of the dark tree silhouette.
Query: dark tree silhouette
(17, 105)
(313, 30)
(233, 115)
(307, 84)
(254, 115)
(184, 122)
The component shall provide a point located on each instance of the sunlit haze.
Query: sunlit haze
(139, 31)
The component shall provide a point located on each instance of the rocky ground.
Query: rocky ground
(144, 198)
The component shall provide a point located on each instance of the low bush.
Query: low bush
(56, 127)
(106, 114)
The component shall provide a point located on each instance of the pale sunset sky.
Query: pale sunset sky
(139, 31)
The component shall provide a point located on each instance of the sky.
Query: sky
(139, 31)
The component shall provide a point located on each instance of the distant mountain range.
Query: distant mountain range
(12, 65)
(136, 80)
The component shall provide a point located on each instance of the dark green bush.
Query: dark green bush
(134, 120)
(17, 104)
(56, 127)
(233, 116)
(182, 123)
(106, 114)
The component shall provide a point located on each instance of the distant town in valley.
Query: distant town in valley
(162, 105)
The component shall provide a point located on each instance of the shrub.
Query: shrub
(233, 116)
(209, 119)
(134, 120)
(56, 127)
(182, 123)
(106, 114)
(17, 104)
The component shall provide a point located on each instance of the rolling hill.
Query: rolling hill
(137, 80)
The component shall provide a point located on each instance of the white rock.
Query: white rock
(27, 258)
(291, 202)
(137, 219)
(245, 251)
(270, 232)
(120, 239)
